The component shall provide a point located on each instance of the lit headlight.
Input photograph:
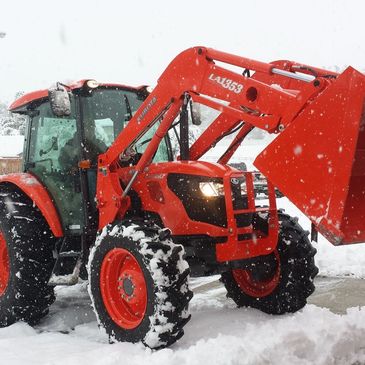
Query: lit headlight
(210, 189)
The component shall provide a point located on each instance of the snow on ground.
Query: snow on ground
(219, 333)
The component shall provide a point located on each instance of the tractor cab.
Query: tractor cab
(66, 133)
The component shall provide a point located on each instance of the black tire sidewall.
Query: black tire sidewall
(287, 265)
(296, 270)
(7, 299)
(29, 244)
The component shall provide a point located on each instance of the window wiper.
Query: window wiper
(129, 109)
(143, 142)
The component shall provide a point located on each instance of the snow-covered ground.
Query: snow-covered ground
(219, 333)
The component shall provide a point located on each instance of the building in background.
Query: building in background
(11, 153)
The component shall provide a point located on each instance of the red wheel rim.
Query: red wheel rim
(257, 288)
(123, 288)
(4, 264)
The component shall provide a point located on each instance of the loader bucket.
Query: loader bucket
(318, 161)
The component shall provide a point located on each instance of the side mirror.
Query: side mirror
(196, 117)
(60, 101)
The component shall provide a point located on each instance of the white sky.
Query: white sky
(133, 41)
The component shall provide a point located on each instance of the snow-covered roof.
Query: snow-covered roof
(11, 146)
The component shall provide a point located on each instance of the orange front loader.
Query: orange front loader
(322, 153)
(159, 218)
(318, 114)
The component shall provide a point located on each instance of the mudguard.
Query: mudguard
(38, 193)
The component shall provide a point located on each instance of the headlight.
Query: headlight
(210, 189)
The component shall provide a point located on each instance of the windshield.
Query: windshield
(105, 113)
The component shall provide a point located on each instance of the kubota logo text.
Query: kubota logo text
(146, 109)
(227, 83)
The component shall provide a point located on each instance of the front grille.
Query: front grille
(240, 201)
(199, 208)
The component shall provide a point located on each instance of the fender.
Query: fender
(31, 187)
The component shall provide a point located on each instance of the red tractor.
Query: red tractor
(102, 196)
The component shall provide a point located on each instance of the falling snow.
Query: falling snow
(298, 150)
(219, 333)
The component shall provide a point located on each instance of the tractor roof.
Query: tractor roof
(28, 98)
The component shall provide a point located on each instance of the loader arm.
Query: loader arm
(277, 94)
(195, 72)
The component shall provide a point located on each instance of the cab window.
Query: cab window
(106, 112)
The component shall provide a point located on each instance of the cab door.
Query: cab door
(52, 156)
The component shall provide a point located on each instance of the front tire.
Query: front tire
(284, 282)
(138, 283)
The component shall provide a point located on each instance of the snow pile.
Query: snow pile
(311, 336)
(340, 261)
(218, 334)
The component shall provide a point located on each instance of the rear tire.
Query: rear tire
(138, 283)
(26, 260)
(287, 280)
